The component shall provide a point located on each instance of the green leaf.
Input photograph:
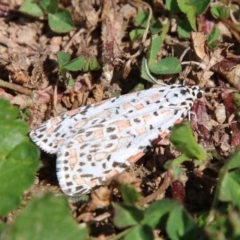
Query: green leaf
(12, 133)
(156, 26)
(236, 100)
(200, 6)
(46, 217)
(180, 226)
(190, 10)
(228, 188)
(145, 74)
(63, 58)
(91, 64)
(142, 18)
(30, 7)
(140, 232)
(225, 225)
(49, 5)
(61, 21)
(214, 38)
(18, 158)
(184, 29)
(174, 165)
(139, 87)
(2, 227)
(75, 64)
(169, 65)
(126, 216)
(19, 168)
(165, 30)
(184, 141)
(129, 194)
(220, 12)
(157, 213)
(8, 112)
(71, 82)
(136, 34)
(156, 44)
(172, 6)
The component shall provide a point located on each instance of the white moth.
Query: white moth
(97, 141)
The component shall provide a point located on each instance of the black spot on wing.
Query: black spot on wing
(113, 137)
(66, 154)
(110, 129)
(115, 164)
(84, 146)
(79, 188)
(136, 120)
(109, 145)
(57, 128)
(87, 175)
(184, 91)
(82, 163)
(89, 133)
(199, 94)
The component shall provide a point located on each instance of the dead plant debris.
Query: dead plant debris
(31, 80)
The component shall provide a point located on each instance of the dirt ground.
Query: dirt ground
(29, 78)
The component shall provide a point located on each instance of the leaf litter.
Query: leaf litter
(30, 79)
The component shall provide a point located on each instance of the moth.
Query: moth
(95, 142)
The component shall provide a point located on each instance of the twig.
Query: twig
(16, 87)
(201, 65)
(153, 196)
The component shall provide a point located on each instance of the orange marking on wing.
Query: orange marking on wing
(155, 96)
(79, 125)
(81, 181)
(100, 156)
(141, 130)
(98, 134)
(92, 184)
(146, 118)
(160, 138)
(123, 125)
(163, 135)
(72, 112)
(136, 157)
(55, 121)
(104, 114)
(79, 139)
(126, 105)
(139, 106)
(178, 121)
(49, 131)
(112, 174)
(166, 111)
(100, 103)
(59, 142)
(72, 158)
